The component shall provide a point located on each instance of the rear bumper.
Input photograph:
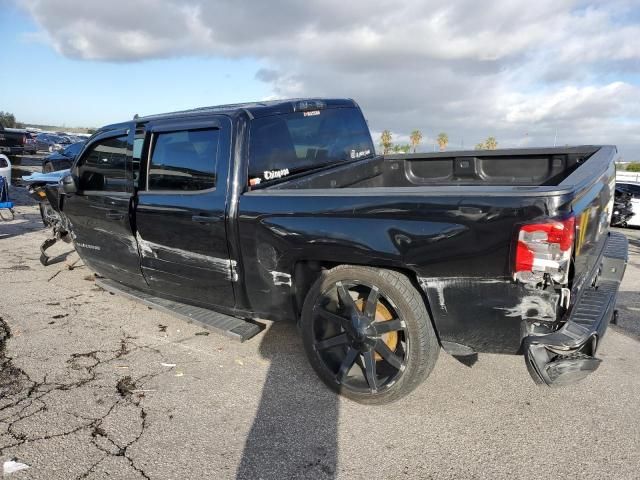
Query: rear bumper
(568, 354)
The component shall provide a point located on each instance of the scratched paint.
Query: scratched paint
(222, 265)
(439, 284)
(281, 278)
(533, 307)
(131, 244)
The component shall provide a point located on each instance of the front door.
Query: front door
(180, 212)
(100, 211)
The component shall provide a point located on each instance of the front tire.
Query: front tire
(367, 334)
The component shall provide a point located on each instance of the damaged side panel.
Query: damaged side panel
(487, 314)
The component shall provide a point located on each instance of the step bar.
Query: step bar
(232, 327)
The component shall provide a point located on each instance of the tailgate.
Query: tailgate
(592, 206)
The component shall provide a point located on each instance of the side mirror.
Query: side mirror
(69, 185)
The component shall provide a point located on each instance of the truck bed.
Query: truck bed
(450, 218)
(513, 167)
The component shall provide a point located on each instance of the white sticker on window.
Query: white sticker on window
(311, 113)
(273, 174)
(360, 154)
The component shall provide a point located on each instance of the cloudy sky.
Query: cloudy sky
(525, 72)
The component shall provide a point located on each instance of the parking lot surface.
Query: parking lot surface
(97, 386)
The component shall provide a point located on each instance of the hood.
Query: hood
(57, 156)
(50, 178)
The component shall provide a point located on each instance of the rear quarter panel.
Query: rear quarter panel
(455, 246)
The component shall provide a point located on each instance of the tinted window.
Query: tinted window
(184, 160)
(103, 167)
(282, 145)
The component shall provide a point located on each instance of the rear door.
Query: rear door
(100, 211)
(181, 210)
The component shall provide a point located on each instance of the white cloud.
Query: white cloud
(521, 71)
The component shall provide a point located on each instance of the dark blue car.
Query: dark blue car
(62, 159)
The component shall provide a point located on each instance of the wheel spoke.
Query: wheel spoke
(388, 326)
(332, 317)
(347, 363)
(388, 355)
(345, 298)
(370, 369)
(332, 342)
(372, 303)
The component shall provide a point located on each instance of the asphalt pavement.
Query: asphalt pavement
(97, 386)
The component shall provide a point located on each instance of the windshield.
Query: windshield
(283, 145)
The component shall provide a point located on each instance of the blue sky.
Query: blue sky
(45, 87)
(523, 72)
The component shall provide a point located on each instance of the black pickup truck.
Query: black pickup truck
(13, 141)
(283, 211)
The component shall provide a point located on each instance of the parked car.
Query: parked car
(283, 211)
(62, 159)
(45, 140)
(13, 141)
(631, 206)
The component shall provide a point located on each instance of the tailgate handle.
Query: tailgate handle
(205, 219)
(115, 215)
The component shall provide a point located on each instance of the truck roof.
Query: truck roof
(260, 109)
(253, 109)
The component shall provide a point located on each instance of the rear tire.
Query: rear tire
(367, 334)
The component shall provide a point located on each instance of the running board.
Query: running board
(229, 326)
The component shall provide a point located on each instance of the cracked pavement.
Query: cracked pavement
(96, 386)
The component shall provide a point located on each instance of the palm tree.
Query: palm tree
(443, 141)
(491, 143)
(386, 141)
(416, 138)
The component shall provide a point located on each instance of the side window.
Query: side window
(184, 160)
(103, 167)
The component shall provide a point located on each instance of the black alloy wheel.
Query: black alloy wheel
(363, 336)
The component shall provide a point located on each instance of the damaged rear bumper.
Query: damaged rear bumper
(568, 354)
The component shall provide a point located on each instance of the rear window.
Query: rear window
(283, 145)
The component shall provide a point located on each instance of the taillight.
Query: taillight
(545, 248)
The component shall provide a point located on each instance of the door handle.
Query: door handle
(115, 215)
(205, 219)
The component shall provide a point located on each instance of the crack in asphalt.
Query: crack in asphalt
(19, 391)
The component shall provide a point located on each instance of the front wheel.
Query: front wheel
(367, 334)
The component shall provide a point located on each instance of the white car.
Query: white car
(634, 190)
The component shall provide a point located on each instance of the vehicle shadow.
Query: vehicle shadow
(294, 433)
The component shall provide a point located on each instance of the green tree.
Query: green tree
(416, 138)
(491, 143)
(633, 167)
(386, 141)
(480, 146)
(443, 141)
(7, 120)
